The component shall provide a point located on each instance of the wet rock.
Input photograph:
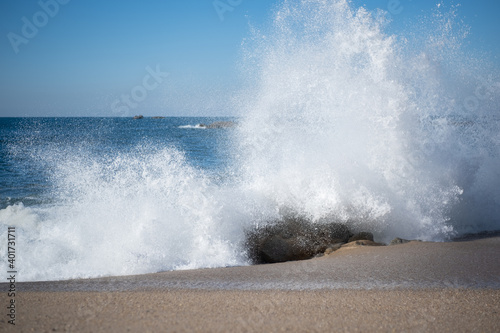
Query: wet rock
(293, 238)
(277, 249)
(362, 236)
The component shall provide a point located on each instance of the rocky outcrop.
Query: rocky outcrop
(293, 238)
(297, 238)
(139, 116)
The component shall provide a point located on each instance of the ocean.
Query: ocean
(28, 145)
(397, 134)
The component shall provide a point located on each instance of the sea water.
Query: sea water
(396, 133)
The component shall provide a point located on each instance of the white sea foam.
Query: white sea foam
(144, 211)
(393, 134)
(398, 135)
(197, 126)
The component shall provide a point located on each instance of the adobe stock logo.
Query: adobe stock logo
(30, 28)
(139, 93)
(222, 7)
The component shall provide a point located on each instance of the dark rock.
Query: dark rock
(139, 116)
(293, 238)
(158, 117)
(278, 249)
(397, 241)
(361, 236)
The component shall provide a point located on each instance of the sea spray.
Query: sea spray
(394, 134)
(144, 211)
(350, 123)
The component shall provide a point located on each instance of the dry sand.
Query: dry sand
(415, 287)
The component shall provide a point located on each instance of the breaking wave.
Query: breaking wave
(394, 134)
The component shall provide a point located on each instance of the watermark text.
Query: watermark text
(11, 274)
(139, 93)
(223, 6)
(30, 28)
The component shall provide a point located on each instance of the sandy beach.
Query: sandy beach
(415, 287)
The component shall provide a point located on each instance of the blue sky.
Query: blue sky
(84, 56)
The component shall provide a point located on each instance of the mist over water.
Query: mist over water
(394, 134)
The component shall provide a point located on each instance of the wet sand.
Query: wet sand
(416, 287)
